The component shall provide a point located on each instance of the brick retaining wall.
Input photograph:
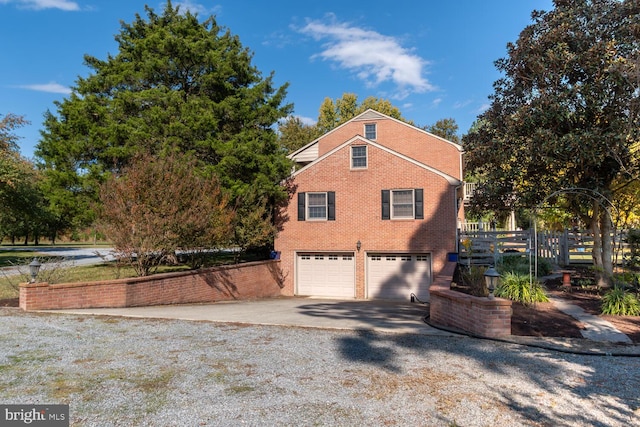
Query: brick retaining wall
(476, 315)
(240, 281)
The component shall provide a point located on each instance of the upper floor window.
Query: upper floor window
(317, 206)
(370, 131)
(403, 204)
(359, 156)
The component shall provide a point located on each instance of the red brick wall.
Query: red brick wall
(476, 315)
(240, 281)
(408, 140)
(358, 213)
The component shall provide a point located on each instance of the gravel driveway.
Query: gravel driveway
(136, 372)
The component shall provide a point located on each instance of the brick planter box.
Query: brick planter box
(479, 316)
(240, 281)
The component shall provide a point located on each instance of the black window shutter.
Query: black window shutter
(301, 206)
(331, 205)
(386, 204)
(419, 203)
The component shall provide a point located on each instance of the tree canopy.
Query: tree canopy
(565, 113)
(176, 84)
(21, 207)
(445, 128)
(295, 134)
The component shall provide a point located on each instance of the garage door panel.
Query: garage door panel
(397, 276)
(326, 275)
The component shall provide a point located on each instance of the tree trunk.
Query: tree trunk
(602, 246)
(607, 248)
(596, 252)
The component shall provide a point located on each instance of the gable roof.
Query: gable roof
(449, 178)
(306, 153)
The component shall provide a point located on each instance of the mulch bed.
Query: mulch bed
(544, 320)
(10, 302)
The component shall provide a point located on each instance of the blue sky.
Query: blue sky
(433, 59)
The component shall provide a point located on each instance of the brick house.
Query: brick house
(374, 212)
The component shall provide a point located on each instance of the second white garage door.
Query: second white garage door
(326, 275)
(397, 276)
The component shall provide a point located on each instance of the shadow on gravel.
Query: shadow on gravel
(364, 348)
(592, 387)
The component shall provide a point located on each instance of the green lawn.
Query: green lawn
(92, 273)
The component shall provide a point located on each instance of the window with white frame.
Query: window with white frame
(359, 156)
(370, 131)
(316, 206)
(403, 204)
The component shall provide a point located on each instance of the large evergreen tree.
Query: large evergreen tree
(176, 84)
(564, 118)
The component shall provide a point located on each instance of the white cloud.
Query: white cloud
(483, 108)
(65, 5)
(306, 120)
(194, 8)
(48, 87)
(436, 102)
(373, 57)
(462, 104)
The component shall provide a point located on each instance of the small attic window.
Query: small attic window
(370, 131)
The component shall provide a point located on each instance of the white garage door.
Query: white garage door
(397, 276)
(326, 275)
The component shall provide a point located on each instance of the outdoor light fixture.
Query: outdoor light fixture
(358, 245)
(34, 267)
(491, 277)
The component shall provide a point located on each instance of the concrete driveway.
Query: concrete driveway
(383, 316)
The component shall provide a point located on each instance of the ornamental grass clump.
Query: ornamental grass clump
(620, 302)
(516, 287)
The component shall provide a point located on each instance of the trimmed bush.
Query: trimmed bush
(516, 287)
(620, 302)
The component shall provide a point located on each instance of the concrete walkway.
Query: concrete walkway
(596, 328)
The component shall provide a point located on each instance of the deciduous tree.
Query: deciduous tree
(159, 205)
(22, 212)
(294, 134)
(445, 128)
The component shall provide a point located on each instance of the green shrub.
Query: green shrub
(633, 240)
(516, 287)
(519, 264)
(628, 279)
(620, 302)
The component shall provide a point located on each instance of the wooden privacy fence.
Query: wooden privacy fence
(562, 248)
